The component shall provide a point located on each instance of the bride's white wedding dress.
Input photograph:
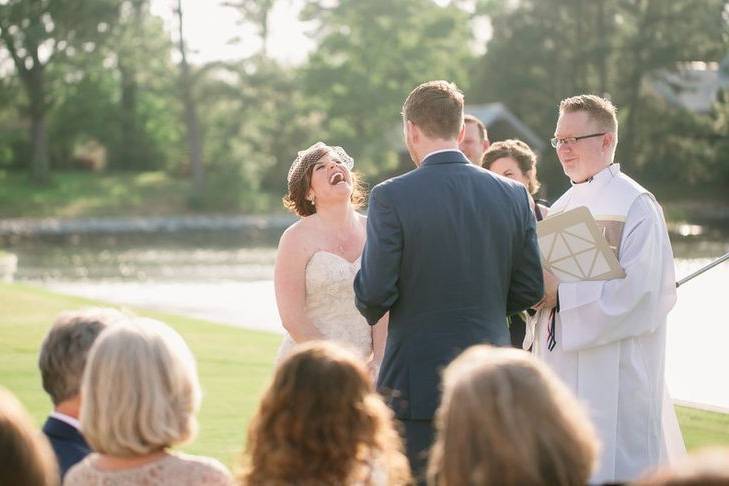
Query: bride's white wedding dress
(330, 304)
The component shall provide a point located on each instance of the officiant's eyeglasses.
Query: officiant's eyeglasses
(556, 142)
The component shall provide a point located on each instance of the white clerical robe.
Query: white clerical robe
(611, 335)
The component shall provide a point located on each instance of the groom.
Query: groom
(451, 249)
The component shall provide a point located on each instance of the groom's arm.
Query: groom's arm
(527, 286)
(375, 286)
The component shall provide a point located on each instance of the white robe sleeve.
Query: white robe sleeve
(598, 313)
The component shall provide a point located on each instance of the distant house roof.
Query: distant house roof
(693, 85)
(492, 114)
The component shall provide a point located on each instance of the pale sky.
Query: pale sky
(209, 27)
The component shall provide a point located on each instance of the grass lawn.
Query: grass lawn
(234, 366)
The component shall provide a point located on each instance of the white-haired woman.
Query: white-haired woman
(140, 394)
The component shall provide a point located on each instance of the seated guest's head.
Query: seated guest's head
(25, 456)
(708, 467)
(321, 422)
(64, 350)
(513, 159)
(506, 419)
(140, 390)
(140, 395)
(61, 361)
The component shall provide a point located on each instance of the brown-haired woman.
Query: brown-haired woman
(516, 160)
(26, 456)
(321, 423)
(505, 419)
(319, 255)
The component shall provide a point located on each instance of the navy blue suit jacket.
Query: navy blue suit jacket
(67, 442)
(451, 250)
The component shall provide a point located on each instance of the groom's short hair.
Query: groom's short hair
(436, 107)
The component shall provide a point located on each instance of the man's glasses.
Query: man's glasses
(556, 142)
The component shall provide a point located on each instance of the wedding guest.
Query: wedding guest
(506, 420)
(26, 457)
(707, 467)
(516, 160)
(140, 397)
(61, 361)
(475, 139)
(321, 423)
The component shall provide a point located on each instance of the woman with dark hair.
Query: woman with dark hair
(319, 255)
(515, 160)
(26, 456)
(321, 423)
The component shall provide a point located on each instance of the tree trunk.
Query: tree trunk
(602, 49)
(635, 82)
(39, 164)
(128, 149)
(194, 139)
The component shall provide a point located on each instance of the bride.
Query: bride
(319, 255)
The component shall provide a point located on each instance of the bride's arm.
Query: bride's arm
(289, 281)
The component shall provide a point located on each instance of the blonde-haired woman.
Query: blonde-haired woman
(505, 419)
(140, 393)
(26, 456)
(321, 423)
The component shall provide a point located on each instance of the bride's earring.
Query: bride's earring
(312, 200)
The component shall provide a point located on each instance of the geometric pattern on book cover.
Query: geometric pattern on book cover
(573, 253)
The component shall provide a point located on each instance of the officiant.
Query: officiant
(606, 339)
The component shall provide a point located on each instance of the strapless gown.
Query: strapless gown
(330, 304)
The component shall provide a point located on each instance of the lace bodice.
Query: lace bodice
(175, 469)
(330, 303)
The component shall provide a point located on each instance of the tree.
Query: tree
(36, 33)
(370, 55)
(194, 137)
(545, 50)
(256, 12)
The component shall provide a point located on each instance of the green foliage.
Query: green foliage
(370, 56)
(545, 50)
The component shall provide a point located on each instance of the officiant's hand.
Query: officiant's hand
(550, 291)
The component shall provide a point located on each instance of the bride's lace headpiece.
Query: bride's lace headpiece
(307, 158)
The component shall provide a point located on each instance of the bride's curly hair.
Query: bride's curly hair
(321, 423)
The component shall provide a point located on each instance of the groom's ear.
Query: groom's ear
(461, 134)
(412, 131)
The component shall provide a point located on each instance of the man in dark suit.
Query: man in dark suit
(61, 361)
(451, 250)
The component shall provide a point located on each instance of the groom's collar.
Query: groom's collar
(446, 156)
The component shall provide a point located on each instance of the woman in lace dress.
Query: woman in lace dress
(321, 423)
(319, 255)
(140, 395)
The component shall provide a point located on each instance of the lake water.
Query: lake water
(226, 276)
